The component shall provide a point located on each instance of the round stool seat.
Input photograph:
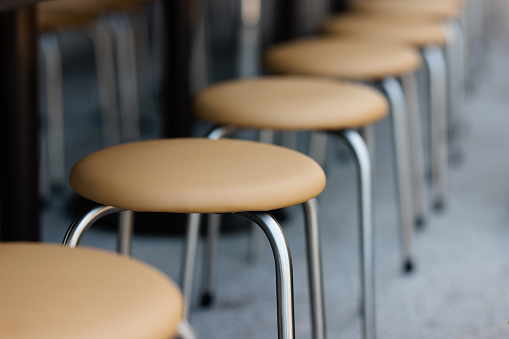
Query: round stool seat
(49, 19)
(49, 291)
(290, 103)
(195, 175)
(418, 33)
(437, 9)
(359, 59)
(90, 7)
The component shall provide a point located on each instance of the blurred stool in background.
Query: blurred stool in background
(378, 63)
(302, 104)
(429, 37)
(206, 176)
(51, 21)
(48, 291)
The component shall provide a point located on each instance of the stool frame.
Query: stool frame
(270, 226)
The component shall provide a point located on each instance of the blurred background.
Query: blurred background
(459, 288)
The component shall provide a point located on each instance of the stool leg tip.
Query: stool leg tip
(420, 222)
(206, 299)
(408, 266)
(439, 205)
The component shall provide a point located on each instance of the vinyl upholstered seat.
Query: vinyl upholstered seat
(349, 58)
(197, 176)
(48, 291)
(419, 33)
(436, 9)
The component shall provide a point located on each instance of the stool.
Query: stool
(375, 61)
(429, 37)
(48, 291)
(206, 176)
(131, 43)
(51, 21)
(306, 104)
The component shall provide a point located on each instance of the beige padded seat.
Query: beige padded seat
(196, 175)
(290, 103)
(48, 291)
(436, 9)
(414, 32)
(351, 58)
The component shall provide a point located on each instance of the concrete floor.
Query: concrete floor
(460, 288)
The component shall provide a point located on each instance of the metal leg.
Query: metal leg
(314, 268)
(189, 260)
(318, 147)
(127, 77)
(366, 211)
(284, 271)
(403, 177)
(106, 86)
(185, 330)
(369, 135)
(83, 222)
(210, 259)
(125, 233)
(50, 48)
(455, 61)
(415, 127)
(256, 244)
(438, 99)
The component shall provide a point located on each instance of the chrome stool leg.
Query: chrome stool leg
(409, 83)
(365, 183)
(189, 259)
(314, 268)
(284, 271)
(435, 62)
(403, 171)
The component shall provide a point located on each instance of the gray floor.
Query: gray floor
(461, 286)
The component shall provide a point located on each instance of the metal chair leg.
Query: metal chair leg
(189, 260)
(83, 222)
(415, 127)
(435, 62)
(314, 268)
(284, 271)
(210, 260)
(403, 172)
(125, 233)
(52, 57)
(101, 38)
(365, 174)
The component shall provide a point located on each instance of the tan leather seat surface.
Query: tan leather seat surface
(290, 103)
(49, 19)
(195, 175)
(351, 58)
(438, 9)
(416, 32)
(48, 291)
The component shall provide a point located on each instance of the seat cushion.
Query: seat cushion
(438, 9)
(291, 103)
(49, 291)
(349, 58)
(195, 175)
(420, 33)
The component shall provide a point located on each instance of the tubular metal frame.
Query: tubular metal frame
(403, 172)
(271, 228)
(435, 62)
